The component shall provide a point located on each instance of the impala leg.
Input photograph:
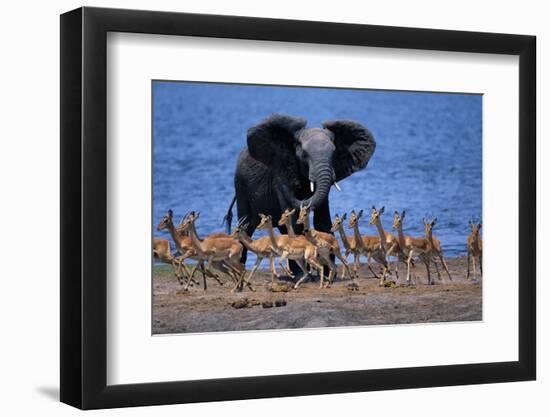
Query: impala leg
(409, 267)
(203, 277)
(436, 269)
(272, 265)
(468, 270)
(322, 278)
(445, 266)
(188, 275)
(211, 274)
(391, 252)
(386, 270)
(178, 270)
(304, 269)
(369, 265)
(274, 273)
(474, 266)
(345, 264)
(396, 270)
(254, 268)
(238, 278)
(331, 270)
(245, 282)
(286, 269)
(190, 278)
(427, 263)
(384, 274)
(175, 269)
(199, 263)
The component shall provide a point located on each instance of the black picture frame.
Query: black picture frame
(84, 207)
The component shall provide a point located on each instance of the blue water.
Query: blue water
(427, 161)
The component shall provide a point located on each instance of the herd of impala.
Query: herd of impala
(222, 252)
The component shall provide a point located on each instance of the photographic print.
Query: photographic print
(279, 207)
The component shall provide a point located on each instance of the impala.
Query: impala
(436, 246)
(326, 244)
(162, 252)
(388, 242)
(217, 248)
(475, 247)
(262, 247)
(297, 248)
(413, 246)
(183, 245)
(286, 221)
(358, 244)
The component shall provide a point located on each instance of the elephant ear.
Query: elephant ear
(354, 146)
(274, 138)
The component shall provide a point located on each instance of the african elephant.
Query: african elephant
(286, 164)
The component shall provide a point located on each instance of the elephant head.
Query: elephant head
(322, 155)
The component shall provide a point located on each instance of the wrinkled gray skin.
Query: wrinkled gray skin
(282, 157)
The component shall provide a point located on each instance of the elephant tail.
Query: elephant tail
(228, 218)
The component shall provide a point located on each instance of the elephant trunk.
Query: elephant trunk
(323, 179)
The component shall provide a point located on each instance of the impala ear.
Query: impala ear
(360, 213)
(354, 146)
(403, 215)
(479, 226)
(381, 210)
(170, 213)
(272, 141)
(434, 221)
(344, 216)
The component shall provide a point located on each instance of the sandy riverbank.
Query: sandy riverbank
(176, 311)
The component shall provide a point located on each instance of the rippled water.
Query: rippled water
(427, 161)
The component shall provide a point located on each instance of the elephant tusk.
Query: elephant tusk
(312, 186)
(337, 186)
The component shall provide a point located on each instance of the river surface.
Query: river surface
(428, 158)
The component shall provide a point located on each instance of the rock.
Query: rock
(352, 286)
(280, 303)
(240, 303)
(280, 287)
(267, 304)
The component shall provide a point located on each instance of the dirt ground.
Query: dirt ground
(217, 309)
